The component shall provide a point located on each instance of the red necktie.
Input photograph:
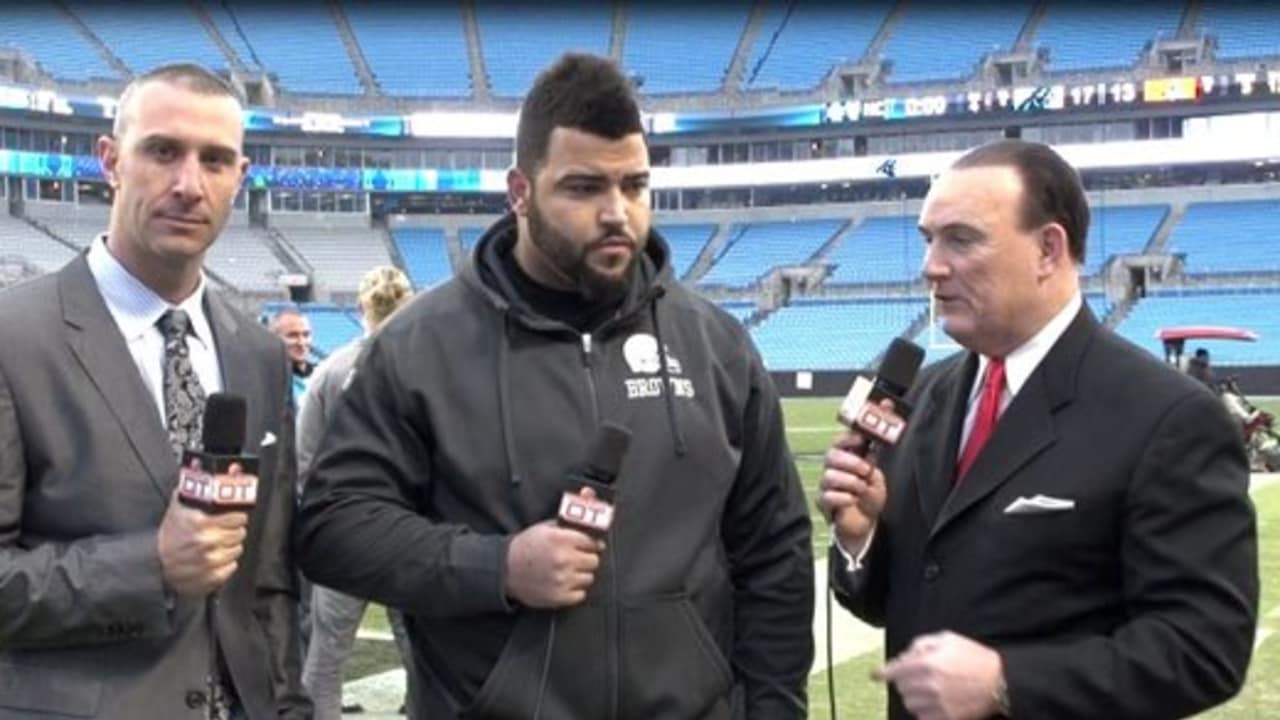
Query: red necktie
(985, 421)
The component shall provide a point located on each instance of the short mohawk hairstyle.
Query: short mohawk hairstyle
(582, 92)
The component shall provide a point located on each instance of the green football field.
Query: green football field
(810, 427)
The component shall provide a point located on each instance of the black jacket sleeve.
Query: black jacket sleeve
(767, 536)
(360, 529)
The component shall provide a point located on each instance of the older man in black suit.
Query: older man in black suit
(1065, 530)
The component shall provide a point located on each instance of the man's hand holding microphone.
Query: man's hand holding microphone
(553, 564)
(202, 534)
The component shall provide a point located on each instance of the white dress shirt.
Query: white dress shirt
(1018, 366)
(136, 308)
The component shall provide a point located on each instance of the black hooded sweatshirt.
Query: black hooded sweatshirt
(460, 425)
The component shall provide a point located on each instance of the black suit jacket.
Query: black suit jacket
(86, 627)
(1139, 602)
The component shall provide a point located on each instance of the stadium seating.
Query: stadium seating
(49, 37)
(1076, 44)
(77, 224)
(1256, 309)
(799, 42)
(413, 49)
(752, 250)
(881, 249)
(299, 43)
(1120, 230)
(425, 254)
(1228, 236)
(150, 35)
(339, 256)
(242, 256)
(18, 239)
(682, 47)
(933, 41)
(831, 334)
(469, 236)
(520, 40)
(742, 310)
(332, 327)
(686, 242)
(1243, 28)
(228, 26)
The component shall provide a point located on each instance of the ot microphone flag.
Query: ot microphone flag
(204, 479)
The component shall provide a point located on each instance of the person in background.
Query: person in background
(335, 616)
(294, 329)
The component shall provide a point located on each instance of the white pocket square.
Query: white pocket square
(1038, 505)
(268, 439)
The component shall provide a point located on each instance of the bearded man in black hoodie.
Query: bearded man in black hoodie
(448, 453)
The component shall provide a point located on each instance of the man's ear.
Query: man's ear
(109, 159)
(519, 187)
(1055, 250)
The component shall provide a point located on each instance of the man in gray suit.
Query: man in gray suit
(104, 367)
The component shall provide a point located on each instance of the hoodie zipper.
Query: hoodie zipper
(611, 608)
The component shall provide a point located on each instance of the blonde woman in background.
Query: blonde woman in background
(335, 617)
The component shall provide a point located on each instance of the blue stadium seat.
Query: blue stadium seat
(146, 36)
(752, 250)
(1228, 236)
(299, 43)
(520, 40)
(229, 27)
(936, 41)
(1098, 36)
(48, 37)
(1256, 309)
(741, 310)
(686, 242)
(938, 345)
(425, 254)
(682, 48)
(881, 249)
(831, 334)
(1120, 230)
(416, 50)
(332, 327)
(811, 38)
(1244, 28)
(469, 236)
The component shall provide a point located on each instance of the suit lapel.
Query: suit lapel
(235, 361)
(1026, 428)
(98, 346)
(938, 432)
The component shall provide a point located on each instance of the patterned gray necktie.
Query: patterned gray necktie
(183, 395)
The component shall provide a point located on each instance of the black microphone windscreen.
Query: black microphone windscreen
(224, 424)
(607, 450)
(899, 367)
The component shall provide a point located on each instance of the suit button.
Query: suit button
(195, 699)
(932, 571)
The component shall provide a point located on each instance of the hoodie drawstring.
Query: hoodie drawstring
(504, 398)
(672, 419)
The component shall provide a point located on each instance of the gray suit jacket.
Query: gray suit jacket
(87, 628)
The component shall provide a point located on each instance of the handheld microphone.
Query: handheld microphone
(203, 482)
(595, 515)
(861, 407)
